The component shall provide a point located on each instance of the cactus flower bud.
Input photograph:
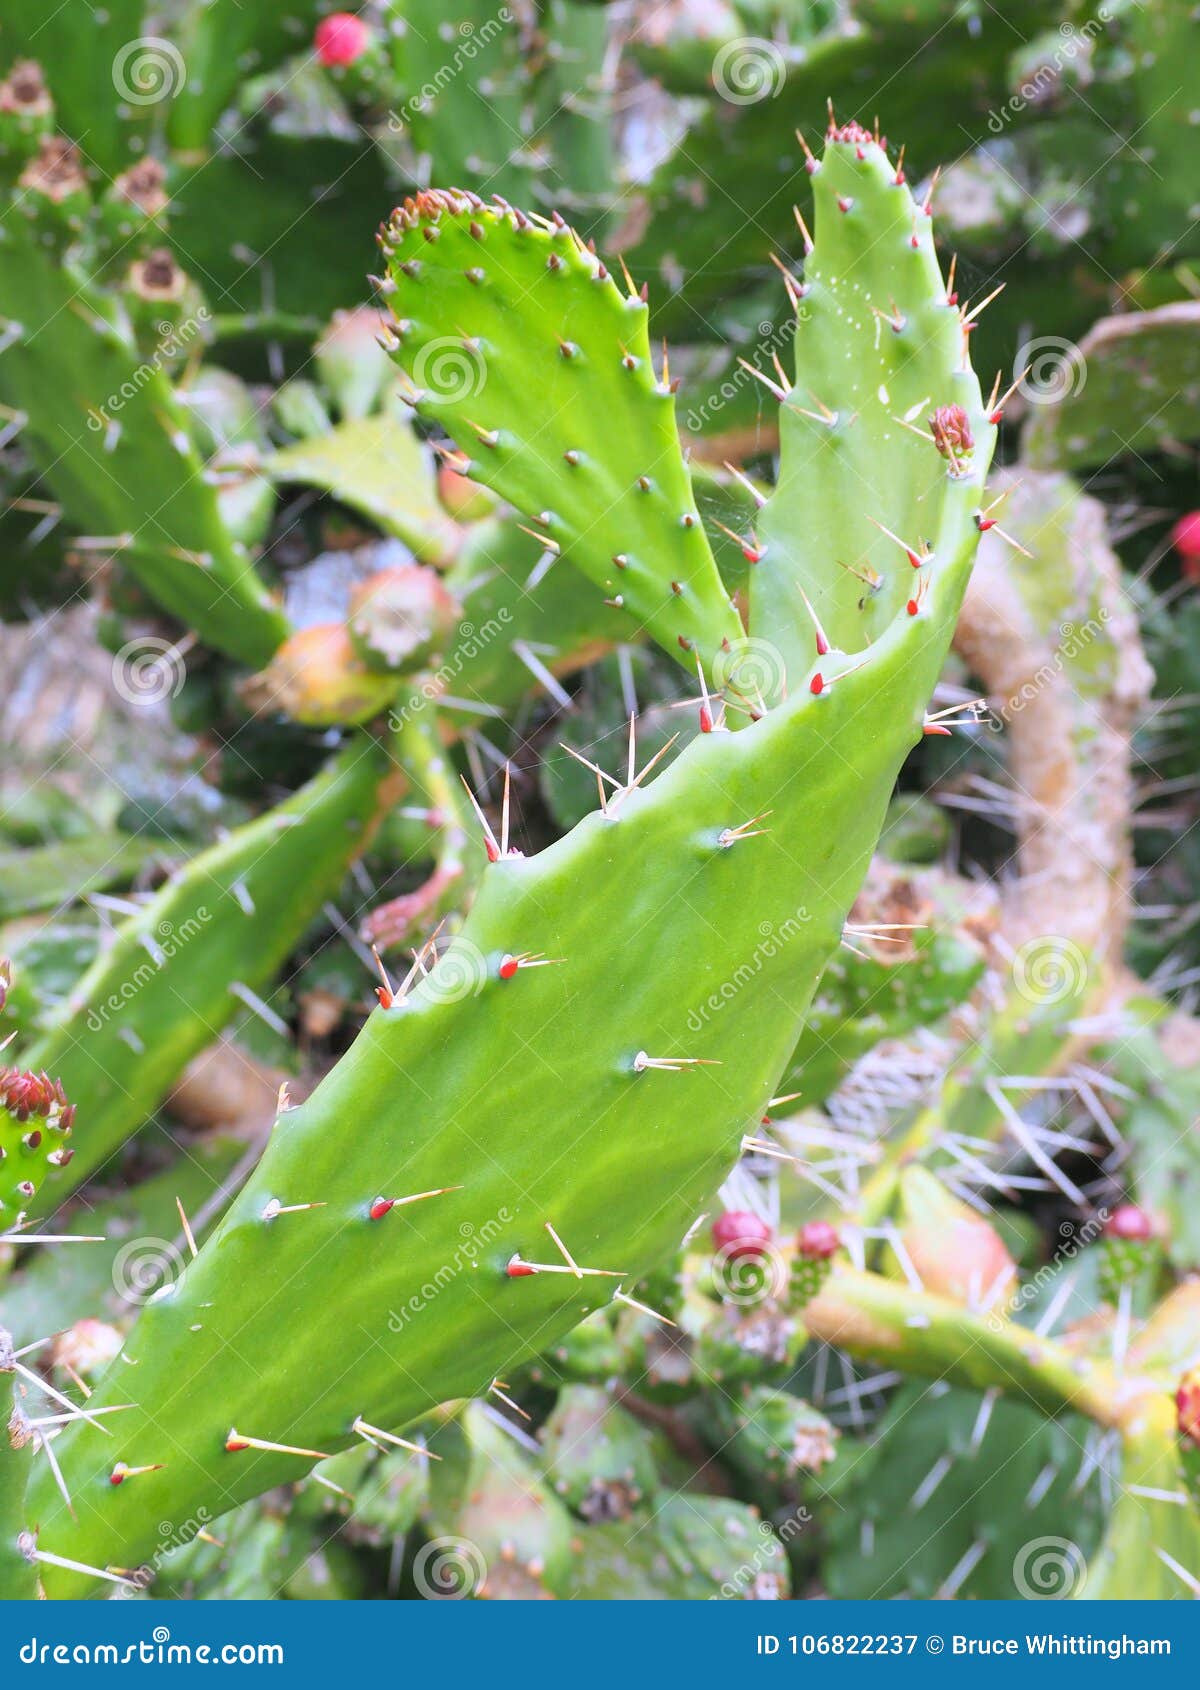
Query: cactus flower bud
(1185, 537)
(1131, 1222)
(1187, 1407)
(818, 1240)
(341, 38)
(737, 1234)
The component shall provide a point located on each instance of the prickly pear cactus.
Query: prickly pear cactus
(572, 992)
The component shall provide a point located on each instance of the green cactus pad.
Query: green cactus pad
(103, 427)
(879, 350)
(165, 988)
(18, 1574)
(963, 1495)
(491, 306)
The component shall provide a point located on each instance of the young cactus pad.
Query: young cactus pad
(591, 1105)
(520, 344)
(882, 428)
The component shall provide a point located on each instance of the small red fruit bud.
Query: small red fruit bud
(380, 1207)
(517, 1269)
(951, 431)
(737, 1234)
(817, 685)
(341, 38)
(1187, 1406)
(508, 967)
(1129, 1221)
(1185, 537)
(818, 1240)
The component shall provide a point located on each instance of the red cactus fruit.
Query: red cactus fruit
(1185, 537)
(1187, 1407)
(738, 1233)
(341, 38)
(1130, 1222)
(818, 1240)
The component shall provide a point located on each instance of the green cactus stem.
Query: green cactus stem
(18, 1570)
(221, 43)
(218, 929)
(879, 1320)
(102, 425)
